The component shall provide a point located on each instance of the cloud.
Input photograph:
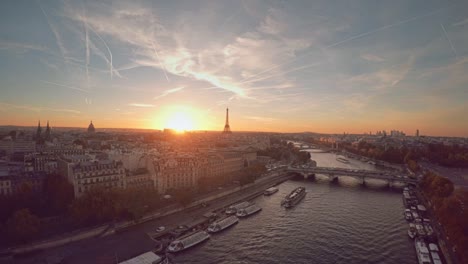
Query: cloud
(21, 47)
(38, 108)
(168, 48)
(272, 23)
(371, 57)
(381, 79)
(57, 35)
(141, 105)
(461, 23)
(261, 118)
(66, 86)
(170, 91)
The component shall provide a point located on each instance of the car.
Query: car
(160, 229)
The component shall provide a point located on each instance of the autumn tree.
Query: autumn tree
(23, 226)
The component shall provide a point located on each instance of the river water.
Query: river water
(343, 223)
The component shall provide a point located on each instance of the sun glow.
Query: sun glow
(180, 121)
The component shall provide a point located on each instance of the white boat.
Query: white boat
(420, 230)
(188, 241)
(234, 208)
(270, 191)
(294, 197)
(412, 231)
(244, 212)
(422, 252)
(146, 258)
(223, 224)
(434, 250)
(428, 228)
(342, 159)
(408, 215)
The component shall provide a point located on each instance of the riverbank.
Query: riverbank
(444, 245)
(240, 192)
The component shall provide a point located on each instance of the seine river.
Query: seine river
(344, 223)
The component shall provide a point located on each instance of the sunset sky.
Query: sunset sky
(286, 66)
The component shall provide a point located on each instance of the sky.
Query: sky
(285, 66)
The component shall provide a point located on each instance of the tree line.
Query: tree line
(438, 153)
(449, 206)
(21, 214)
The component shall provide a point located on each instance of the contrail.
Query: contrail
(160, 61)
(85, 24)
(87, 52)
(66, 86)
(280, 73)
(355, 37)
(58, 39)
(386, 27)
(110, 54)
(448, 39)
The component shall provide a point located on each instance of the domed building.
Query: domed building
(91, 128)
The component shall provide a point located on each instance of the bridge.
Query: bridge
(333, 173)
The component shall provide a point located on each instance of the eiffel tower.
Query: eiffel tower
(227, 129)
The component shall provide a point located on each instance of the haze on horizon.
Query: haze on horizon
(280, 66)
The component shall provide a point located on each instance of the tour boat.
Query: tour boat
(147, 258)
(412, 231)
(422, 252)
(188, 241)
(408, 215)
(434, 250)
(244, 212)
(420, 230)
(270, 191)
(234, 208)
(342, 159)
(223, 224)
(429, 230)
(294, 197)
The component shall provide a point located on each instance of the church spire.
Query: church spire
(38, 132)
(47, 132)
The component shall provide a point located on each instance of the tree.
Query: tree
(59, 193)
(23, 226)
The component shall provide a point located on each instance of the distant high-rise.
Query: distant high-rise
(227, 128)
(417, 132)
(91, 128)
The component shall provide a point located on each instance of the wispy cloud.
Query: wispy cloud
(57, 35)
(168, 92)
(449, 41)
(461, 23)
(38, 108)
(261, 118)
(142, 105)
(21, 47)
(66, 86)
(371, 57)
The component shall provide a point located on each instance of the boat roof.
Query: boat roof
(421, 207)
(433, 247)
(436, 258)
(145, 258)
(422, 247)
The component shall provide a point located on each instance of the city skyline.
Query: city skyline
(318, 67)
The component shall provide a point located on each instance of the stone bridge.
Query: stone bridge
(334, 173)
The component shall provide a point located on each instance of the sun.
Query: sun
(180, 121)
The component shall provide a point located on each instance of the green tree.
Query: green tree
(23, 226)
